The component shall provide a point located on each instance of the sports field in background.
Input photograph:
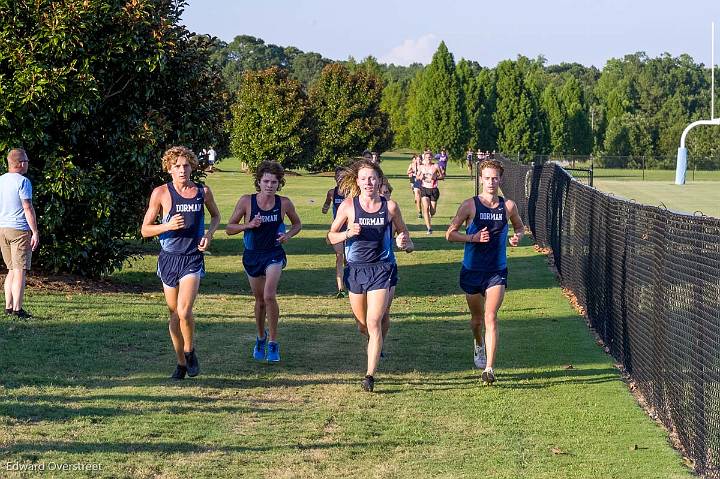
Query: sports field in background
(699, 195)
(86, 382)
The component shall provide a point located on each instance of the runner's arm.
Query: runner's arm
(295, 223)
(516, 221)
(328, 200)
(214, 220)
(402, 240)
(150, 227)
(240, 213)
(462, 216)
(335, 235)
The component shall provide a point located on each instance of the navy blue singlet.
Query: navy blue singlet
(264, 237)
(185, 240)
(337, 200)
(489, 256)
(374, 244)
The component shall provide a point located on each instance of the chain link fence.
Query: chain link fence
(649, 281)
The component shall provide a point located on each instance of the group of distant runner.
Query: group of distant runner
(367, 225)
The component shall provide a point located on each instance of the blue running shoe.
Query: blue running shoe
(273, 354)
(259, 351)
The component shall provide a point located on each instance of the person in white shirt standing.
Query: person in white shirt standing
(211, 158)
(19, 235)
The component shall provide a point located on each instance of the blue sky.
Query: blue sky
(401, 31)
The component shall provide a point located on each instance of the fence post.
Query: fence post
(477, 178)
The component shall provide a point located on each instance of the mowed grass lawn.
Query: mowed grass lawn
(699, 195)
(87, 381)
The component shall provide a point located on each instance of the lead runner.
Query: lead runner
(371, 272)
(183, 240)
(483, 276)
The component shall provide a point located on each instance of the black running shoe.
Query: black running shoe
(193, 366)
(488, 376)
(179, 373)
(368, 383)
(8, 311)
(22, 314)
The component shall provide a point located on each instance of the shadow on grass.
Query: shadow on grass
(137, 353)
(188, 447)
(46, 408)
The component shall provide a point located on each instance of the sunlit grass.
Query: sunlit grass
(87, 381)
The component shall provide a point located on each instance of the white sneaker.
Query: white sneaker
(480, 359)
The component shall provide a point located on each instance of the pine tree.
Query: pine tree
(394, 103)
(487, 130)
(473, 100)
(557, 120)
(578, 134)
(514, 113)
(437, 114)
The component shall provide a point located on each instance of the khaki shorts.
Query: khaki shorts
(15, 246)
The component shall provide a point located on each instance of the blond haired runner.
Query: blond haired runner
(183, 240)
(483, 276)
(371, 272)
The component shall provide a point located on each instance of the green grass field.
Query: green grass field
(699, 195)
(86, 382)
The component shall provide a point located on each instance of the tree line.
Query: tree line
(96, 90)
(635, 107)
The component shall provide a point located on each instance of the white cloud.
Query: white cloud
(413, 51)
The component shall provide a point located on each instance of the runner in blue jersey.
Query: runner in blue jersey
(415, 182)
(483, 276)
(264, 234)
(335, 198)
(371, 272)
(183, 240)
(469, 157)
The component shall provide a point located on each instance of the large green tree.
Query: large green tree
(487, 129)
(348, 118)
(473, 100)
(514, 115)
(437, 116)
(394, 103)
(557, 120)
(95, 91)
(271, 120)
(579, 136)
